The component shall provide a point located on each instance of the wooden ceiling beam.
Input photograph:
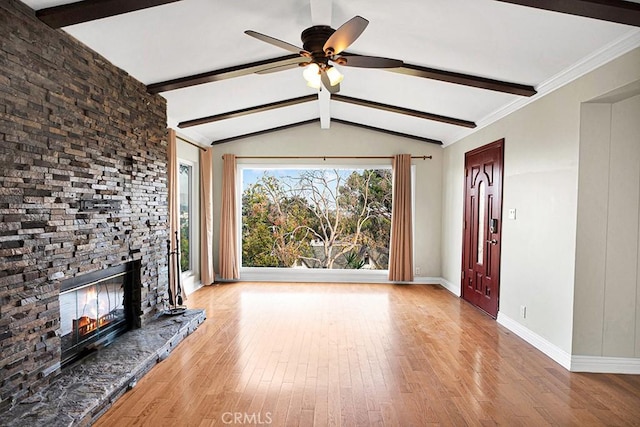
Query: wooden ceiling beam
(245, 111)
(408, 69)
(344, 122)
(405, 111)
(89, 10)
(262, 132)
(618, 11)
(336, 97)
(388, 132)
(460, 78)
(222, 74)
(464, 79)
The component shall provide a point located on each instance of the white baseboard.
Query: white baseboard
(419, 280)
(573, 363)
(553, 351)
(454, 289)
(248, 274)
(605, 365)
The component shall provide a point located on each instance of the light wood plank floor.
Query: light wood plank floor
(351, 355)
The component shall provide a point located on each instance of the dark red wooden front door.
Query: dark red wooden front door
(482, 227)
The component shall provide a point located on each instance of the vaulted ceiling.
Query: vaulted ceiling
(466, 62)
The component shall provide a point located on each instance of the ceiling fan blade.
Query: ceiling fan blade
(345, 35)
(368, 61)
(278, 43)
(327, 84)
(279, 68)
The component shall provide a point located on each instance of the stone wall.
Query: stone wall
(73, 127)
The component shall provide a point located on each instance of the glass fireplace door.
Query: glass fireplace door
(91, 312)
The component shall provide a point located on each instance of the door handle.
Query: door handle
(492, 241)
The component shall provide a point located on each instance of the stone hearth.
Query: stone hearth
(83, 392)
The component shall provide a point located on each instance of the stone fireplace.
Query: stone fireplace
(96, 308)
(83, 189)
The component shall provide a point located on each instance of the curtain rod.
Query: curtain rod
(328, 157)
(189, 142)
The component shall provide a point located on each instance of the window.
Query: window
(186, 202)
(321, 218)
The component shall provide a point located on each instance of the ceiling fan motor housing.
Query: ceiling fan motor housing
(313, 40)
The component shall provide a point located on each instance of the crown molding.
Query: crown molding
(606, 54)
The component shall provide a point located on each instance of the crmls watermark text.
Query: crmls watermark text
(244, 418)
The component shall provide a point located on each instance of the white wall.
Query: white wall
(345, 140)
(607, 295)
(541, 182)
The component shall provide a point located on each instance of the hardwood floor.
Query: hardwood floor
(351, 355)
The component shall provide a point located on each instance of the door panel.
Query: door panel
(482, 227)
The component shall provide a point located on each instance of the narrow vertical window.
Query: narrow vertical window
(481, 221)
(184, 178)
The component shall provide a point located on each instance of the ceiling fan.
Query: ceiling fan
(321, 47)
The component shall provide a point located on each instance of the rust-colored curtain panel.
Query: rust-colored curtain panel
(228, 230)
(174, 209)
(401, 247)
(207, 274)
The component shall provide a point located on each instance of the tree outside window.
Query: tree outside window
(184, 179)
(316, 218)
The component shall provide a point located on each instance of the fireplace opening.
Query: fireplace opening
(95, 308)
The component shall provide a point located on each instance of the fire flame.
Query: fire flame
(98, 313)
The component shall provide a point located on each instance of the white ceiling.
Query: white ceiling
(483, 38)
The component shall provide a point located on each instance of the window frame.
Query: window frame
(286, 273)
(182, 162)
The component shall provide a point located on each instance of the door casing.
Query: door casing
(481, 280)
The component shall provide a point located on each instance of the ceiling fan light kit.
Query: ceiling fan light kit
(335, 77)
(311, 74)
(320, 45)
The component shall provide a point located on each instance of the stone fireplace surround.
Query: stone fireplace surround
(83, 187)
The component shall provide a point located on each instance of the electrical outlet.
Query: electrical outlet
(418, 271)
(523, 311)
